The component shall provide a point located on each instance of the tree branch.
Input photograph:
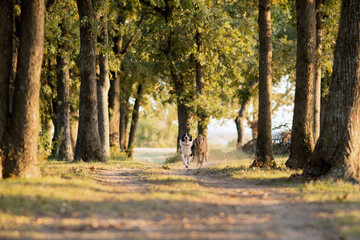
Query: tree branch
(130, 43)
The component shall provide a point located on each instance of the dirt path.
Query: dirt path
(223, 210)
(141, 200)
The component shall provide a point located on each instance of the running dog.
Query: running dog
(187, 149)
(201, 150)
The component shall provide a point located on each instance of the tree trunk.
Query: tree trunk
(20, 142)
(124, 120)
(134, 121)
(264, 150)
(203, 118)
(74, 123)
(114, 97)
(125, 87)
(337, 151)
(302, 137)
(123, 125)
(103, 87)
(184, 120)
(65, 150)
(317, 80)
(114, 105)
(64, 146)
(239, 121)
(88, 146)
(184, 113)
(6, 52)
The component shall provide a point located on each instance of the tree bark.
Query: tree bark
(114, 105)
(302, 137)
(203, 118)
(6, 52)
(64, 146)
(124, 114)
(337, 151)
(184, 120)
(239, 121)
(20, 143)
(317, 81)
(74, 123)
(88, 146)
(134, 120)
(264, 150)
(103, 87)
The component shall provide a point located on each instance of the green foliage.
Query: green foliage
(331, 12)
(44, 146)
(163, 42)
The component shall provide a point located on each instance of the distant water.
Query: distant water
(157, 155)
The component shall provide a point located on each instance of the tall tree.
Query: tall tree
(302, 138)
(337, 151)
(317, 78)
(175, 60)
(114, 105)
(88, 146)
(125, 87)
(264, 151)
(134, 119)
(103, 87)
(183, 110)
(178, 80)
(19, 142)
(64, 146)
(119, 102)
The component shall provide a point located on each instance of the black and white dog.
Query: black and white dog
(187, 149)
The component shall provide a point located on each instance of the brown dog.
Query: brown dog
(201, 149)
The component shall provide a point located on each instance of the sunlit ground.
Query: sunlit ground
(132, 199)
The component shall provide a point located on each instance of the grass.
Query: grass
(69, 191)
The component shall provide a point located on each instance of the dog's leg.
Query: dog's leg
(184, 160)
(189, 158)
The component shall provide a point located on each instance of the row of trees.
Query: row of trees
(204, 56)
(336, 151)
